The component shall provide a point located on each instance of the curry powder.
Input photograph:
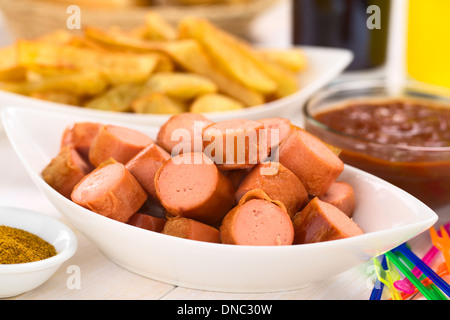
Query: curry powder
(20, 246)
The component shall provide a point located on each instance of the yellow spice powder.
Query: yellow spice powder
(20, 246)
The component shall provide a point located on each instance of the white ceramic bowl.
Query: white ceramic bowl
(19, 278)
(324, 64)
(388, 215)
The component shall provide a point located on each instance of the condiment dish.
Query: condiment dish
(19, 278)
(422, 170)
(388, 215)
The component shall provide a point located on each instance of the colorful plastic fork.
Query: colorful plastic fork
(403, 269)
(442, 243)
(378, 287)
(434, 291)
(427, 271)
(405, 285)
(388, 276)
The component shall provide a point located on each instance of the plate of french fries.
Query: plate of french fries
(154, 71)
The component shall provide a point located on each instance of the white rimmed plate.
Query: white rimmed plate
(388, 215)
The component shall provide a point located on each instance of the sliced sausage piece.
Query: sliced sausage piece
(311, 161)
(320, 221)
(191, 229)
(235, 143)
(110, 190)
(190, 185)
(276, 127)
(146, 221)
(257, 221)
(117, 142)
(278, 182)
(341, 195)
(81, 135)
(182, 133)
(145, 164)
(65, 170)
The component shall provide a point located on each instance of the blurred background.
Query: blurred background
(405, 37)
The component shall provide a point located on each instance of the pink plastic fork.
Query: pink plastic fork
(405, 285)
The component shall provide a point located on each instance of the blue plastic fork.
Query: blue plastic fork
(377, 290)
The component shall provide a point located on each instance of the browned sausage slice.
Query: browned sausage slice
(278, 182)
(81, 135)
(65, 170)
(148, 222)
(341, 195)
(320, 221)
(110, 190)
(311, 161)
(191, 229)
(182, 133)
(257, 221)
(235, 143)
(145, 164)
(117, 142)
(190, 185)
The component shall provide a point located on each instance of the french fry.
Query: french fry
(286, 80)
(13, 74)
(83, 83)
(127, 68)
(19, 87)
(164, 64)
(240, 59)
(37, 72)
(9, 67)
(86, 43)
(157, 28)
(59, 97)
(157, 103)
(192, 57)
(116, 67)
(180, 85)
(56, 37)
(228, 53)
(215, 102)
(291, 59)
(117, 40)
(117, 98)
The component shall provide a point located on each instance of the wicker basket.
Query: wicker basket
(28, 19)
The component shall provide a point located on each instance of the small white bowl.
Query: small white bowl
(387, 214)
(19, 278)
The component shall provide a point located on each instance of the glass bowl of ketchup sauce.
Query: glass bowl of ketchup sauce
(400, 134)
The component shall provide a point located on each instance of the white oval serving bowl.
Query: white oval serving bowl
(16, 279)
(388, 215)
(324, 64)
